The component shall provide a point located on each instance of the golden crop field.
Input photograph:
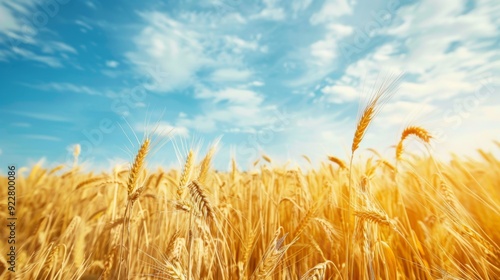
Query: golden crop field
(406, 217)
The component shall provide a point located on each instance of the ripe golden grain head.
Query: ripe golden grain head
(417, 131)
(137, 166)
(338, 161)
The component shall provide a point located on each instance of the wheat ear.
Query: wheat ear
(185, 174)
(137, 166)
(272, 257)
(205, 166)
(417, 131)
(267, 158)
(338, 161)
(305, 221)
(200, 199)
(374, 217)
(385, 91)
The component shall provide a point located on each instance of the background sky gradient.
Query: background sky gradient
(284, 78)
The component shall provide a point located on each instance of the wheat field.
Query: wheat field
(406, 217)
(416, 220)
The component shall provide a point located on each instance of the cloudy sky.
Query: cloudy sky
(283, 78)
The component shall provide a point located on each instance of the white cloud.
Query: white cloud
(270, 12)
(229, 108)
(85, 26)
(276, 14)
(91, 5)
(321, 57)
(43, 137)
(8, 22)
(300, 5)
(421, 48)
(67, 87)
(331, 10)
(239, 45)
(340, 93)
(41, 116)
(233, 95)
(21, 124)
(54, 47)
(199, 123)
(29, 55)
(112, 63)
(168, 51)
(173, 51)
(230, 75)
(19, 34)
(257, 83)
(163, 128)
(404, 112)
(12, 23)
(326, 50)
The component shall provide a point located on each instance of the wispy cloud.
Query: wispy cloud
(29, 55)
(40, 116)
(331, 11)
(85, 27)
(440, 73)
(167, 47)
(42, 137)
(91, 5)
(173, 50)
(10, 22)
(323, 56)
(230, 75)
(67, 88)
(230, 108)
(20, 32)
(232, 95)
(21, 124)
(112, 63)
(271, 11)
(163, 128)
(57, 47)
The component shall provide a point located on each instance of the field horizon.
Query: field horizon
(409, 217)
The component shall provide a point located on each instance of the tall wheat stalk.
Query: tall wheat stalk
(133, 194)
(372, 108)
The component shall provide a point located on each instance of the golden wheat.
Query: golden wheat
(419, 132)
(435, 220)
(338, 161)
(137, 166)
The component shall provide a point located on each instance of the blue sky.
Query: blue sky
(283, 78)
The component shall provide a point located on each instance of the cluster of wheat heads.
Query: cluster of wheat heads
(376, 219)
(429, 221)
